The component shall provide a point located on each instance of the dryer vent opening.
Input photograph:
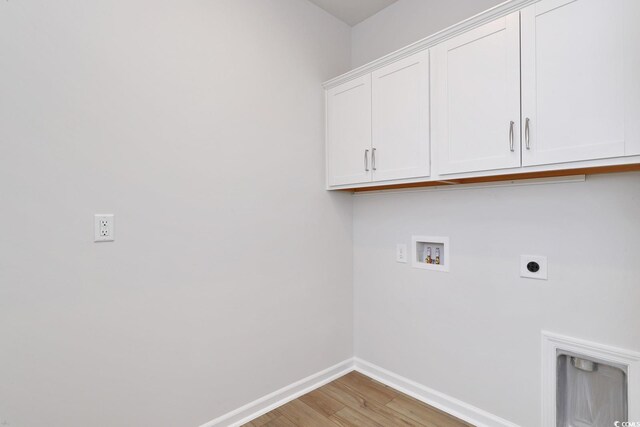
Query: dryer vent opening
(590, 392)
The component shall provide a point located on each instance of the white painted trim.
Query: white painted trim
(551, 342)
(445, 403)
(278, 398)
(448, 404)
(489, 15)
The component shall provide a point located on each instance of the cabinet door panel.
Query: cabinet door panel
(476, 88)
(401, 118)
(631, 79)
(349, 132)
(574, 69)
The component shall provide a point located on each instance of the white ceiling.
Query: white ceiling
(353, 11)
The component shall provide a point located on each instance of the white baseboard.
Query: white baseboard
(278, 398)
(445, 403)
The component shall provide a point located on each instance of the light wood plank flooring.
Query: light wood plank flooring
(356, 400)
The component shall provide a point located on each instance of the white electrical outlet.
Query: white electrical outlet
(533, 266)
(401, 253)
(104, 228)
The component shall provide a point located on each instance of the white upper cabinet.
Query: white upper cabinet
(400, 131)
(554, 86)
(580, 73)
(476, 98)
(349, 132)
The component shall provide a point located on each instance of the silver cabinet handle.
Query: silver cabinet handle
(526, 134)
(511, 136)
(366, 160)
(373, 159)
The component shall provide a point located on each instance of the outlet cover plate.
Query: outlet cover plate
(401, 252)
(104, 230)
(540, 260)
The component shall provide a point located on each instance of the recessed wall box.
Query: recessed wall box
(430, 253)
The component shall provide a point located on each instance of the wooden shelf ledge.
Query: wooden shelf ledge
(507, 177)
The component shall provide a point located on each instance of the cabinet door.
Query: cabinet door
(349, 132)
(401, 119)
(631, 79)
(476, 104)
(577, 79)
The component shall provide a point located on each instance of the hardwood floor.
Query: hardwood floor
(356, 400)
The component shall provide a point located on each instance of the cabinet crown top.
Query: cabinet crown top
(488, 15)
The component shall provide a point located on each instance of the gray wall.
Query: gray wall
(200, 125)
(407, 21)
(474, 333)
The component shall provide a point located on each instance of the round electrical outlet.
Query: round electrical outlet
(533, 267)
